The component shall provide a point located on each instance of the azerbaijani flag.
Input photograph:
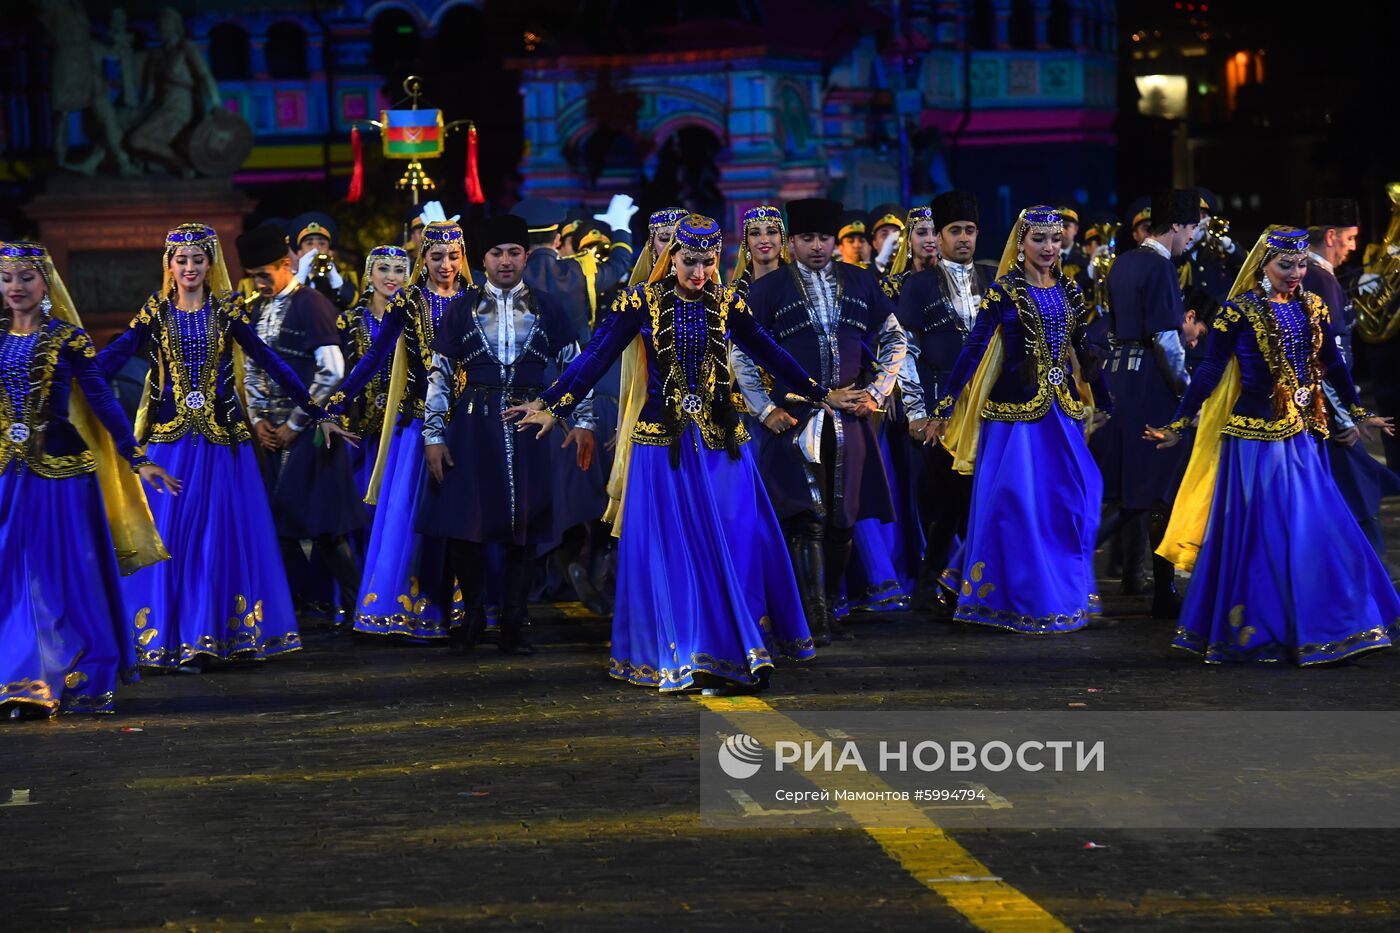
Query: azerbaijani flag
(412, 134)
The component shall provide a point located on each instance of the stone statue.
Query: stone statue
(180, 90)
(76, 86)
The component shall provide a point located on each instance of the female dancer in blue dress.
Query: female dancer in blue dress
(706, 595)
(1280, 570)
(386, 271)
(223, 594)
(764, 248)
(407, 590)
(72, 514)
(1021, 404)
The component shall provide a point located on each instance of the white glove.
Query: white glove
(886, 251)
(433, 214)
(1227, 244)
(1368, 284)
(619, 213)
(304, 266)
(333, 277)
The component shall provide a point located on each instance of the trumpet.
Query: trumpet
(322, 265)
(1217, 228)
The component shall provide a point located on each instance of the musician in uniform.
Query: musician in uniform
(1147, 377)
(1333, 226)
(316, 264)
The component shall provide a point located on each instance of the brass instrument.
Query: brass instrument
(322, 265)
(1102, 262)
(1216, 230)
(1377, 309)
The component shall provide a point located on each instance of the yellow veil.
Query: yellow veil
(965, 426)
(398, 373)
(904, 256)
(631, 396)
(134, 535)
(633, 392)
(1186, 529)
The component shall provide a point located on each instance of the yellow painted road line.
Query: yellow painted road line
(920, 847)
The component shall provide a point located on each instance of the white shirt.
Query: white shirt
(505, 319)
(965, 300)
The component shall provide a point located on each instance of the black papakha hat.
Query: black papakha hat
(814, 215)
(952, 206)
(262, 246)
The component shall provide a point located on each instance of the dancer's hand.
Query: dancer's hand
(1386, 425)
(845, 399)
(266, 434)
(918, 430)
(516, 412)
(438, 460)
(863, 405)
(1165, 437)
(937, 427)
(541, 419)
(779, 420)
(151, 472)
(584, 440)
(330, 430)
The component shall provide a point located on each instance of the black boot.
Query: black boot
(805, 549)
(515, 602)
(1165, 603)
(463, 638)
(583, 589)
(1136, 552)
(339, 557)
(467, 563)
(838, 557)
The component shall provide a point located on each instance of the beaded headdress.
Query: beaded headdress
(1041, 219)
(442, 231)
(666, 217)
(20, 254)
(1285, 240)
(763, 213)
(699, 234)
(390, 255)
(191, 236)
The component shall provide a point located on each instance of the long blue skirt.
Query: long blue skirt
(404, 591)
(365, 458)
(704, 581)
(63, 638)
(1028, 564)
(1284, 572)
(223, 593)
(884, 566)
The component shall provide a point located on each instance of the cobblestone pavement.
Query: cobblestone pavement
(364, 784)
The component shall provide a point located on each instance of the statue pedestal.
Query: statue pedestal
(107, 235)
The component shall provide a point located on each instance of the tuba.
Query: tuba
(1377, 308)
(1102, 262)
